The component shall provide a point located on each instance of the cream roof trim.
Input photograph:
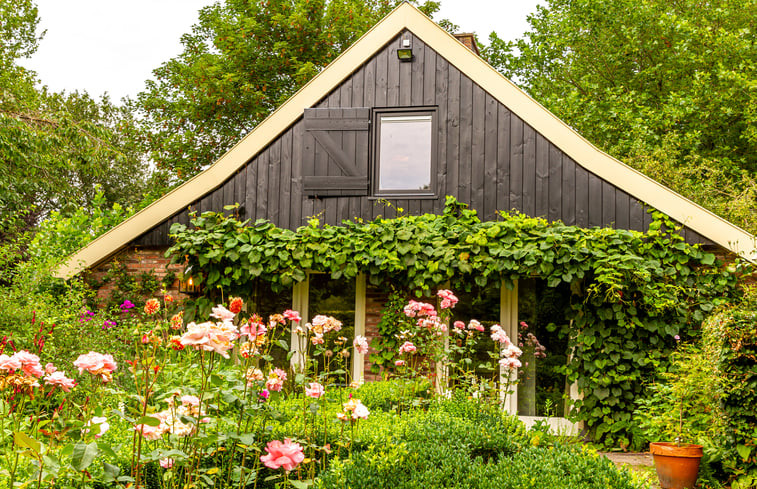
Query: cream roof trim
(405, 16)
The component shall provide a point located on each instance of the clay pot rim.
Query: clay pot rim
(688, 450)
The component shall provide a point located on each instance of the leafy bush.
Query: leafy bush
(738, 365)
(467, 444)
(708, 396)
(385, 396)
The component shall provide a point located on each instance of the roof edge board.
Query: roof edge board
(583, 152)
(278, 121)
(405, 16)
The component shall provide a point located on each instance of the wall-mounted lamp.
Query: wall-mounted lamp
(187, 285)
(405, 53)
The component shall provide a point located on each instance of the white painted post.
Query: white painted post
(508, 319)
(299, 303)
(358, 360)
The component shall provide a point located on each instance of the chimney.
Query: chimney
(468, 40)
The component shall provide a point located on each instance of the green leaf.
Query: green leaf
(23, 440)
(301, 484)
(149, 421)
(83, 455)
(744, 451)
(110, 472)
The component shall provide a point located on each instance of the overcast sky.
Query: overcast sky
(113, 45)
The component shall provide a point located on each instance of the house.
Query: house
(408, 91)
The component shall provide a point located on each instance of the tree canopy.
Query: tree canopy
(57, 149)
(241, 61)
(668, 87)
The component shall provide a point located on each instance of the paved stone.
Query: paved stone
(630, 458)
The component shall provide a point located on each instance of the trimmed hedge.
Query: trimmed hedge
(461, 443)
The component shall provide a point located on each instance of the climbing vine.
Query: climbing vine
(638, 290)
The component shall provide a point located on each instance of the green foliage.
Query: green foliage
(637, 290)
(240, 62)
(463, 443)
(683, 404)
(62, 234)
(668, 87)
(386, 344)
(55, 148)
(738, 366)
(386, 395)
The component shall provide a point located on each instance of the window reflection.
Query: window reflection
(405, 152)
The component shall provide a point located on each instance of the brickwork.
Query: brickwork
(137, 260)
(374, 304)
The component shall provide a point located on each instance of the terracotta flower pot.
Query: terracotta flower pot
(677, 465)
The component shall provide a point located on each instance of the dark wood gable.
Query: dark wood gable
(487, 157)
(335, 151)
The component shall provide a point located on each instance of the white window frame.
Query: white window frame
(300, 303)
(508, 318)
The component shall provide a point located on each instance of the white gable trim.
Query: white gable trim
(408, 17)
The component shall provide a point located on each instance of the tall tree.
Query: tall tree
(666, 86)
(243, 59)
(55, 149)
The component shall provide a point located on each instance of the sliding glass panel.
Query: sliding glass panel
(264, 302)
(542, 388)
(471, 351)
(334, 298)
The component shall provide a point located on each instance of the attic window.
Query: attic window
(404, 158)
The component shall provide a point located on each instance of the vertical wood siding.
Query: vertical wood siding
(486, 156)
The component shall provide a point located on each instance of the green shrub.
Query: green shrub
(386, 395)
(715, 380)
(463, 443)
(738, 364)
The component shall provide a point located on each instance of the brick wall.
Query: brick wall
(374, 303)
(137, 260)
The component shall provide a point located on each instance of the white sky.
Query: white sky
(113, 45)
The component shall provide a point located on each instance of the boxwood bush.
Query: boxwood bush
(461, 443)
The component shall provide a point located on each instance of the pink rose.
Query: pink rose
(399, 363)
(96, 364)
(29, 363)
(448, 299)
(221, 313)
(190, 400)
(50, 368)
(150, 432)
(166, 463)
(476, 326)
(253, 329)
(287, 455)
(315, 390)
(459, 325)
(9, 364)
(499, 335)
(361, 344)
(407, 347)
(60, 379)
(292, 315)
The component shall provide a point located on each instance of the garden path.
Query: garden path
(640, 463)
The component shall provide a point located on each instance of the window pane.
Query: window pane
(481, 304)
(542, 386)
(264, 302)
(334, 298)
(405, 153)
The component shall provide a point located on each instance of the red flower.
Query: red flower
(152, 306)
(235, 305)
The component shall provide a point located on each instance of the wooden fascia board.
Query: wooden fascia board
(265, 132)
(405, 16)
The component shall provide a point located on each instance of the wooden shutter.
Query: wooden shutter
(335, 151)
